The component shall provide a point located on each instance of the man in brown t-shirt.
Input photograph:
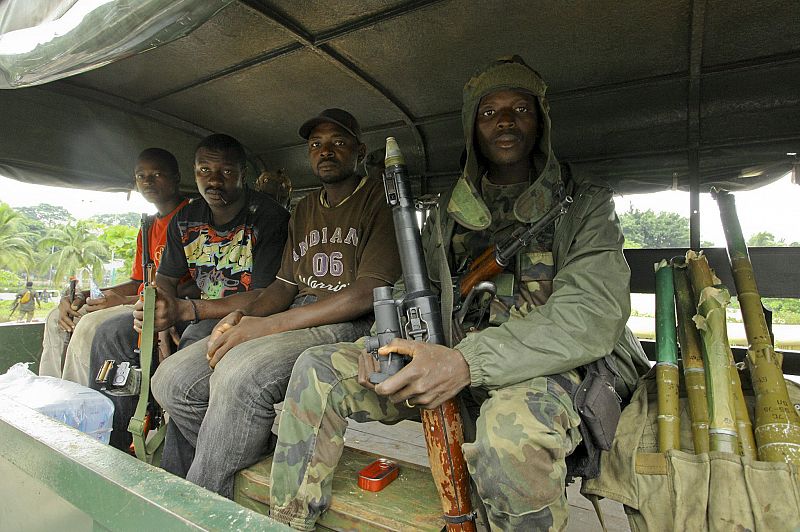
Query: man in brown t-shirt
(341, 245)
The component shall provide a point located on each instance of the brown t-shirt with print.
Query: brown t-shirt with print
(330, 247)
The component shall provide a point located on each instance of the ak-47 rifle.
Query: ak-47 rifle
(73, 284)
(495, 258)
(130, 381)
(147, 413)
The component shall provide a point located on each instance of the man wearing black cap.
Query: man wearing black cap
(341, 245)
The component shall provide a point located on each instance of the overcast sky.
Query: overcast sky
(771, 208)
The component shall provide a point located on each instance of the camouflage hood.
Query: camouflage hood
(466, 205)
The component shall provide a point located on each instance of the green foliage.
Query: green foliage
(765, 239)
(9, 281)
(17, 252)
(131, 219)
(120, 240)
(784, 310)
(647, 229)
(50, 215)
(76, 247)
(30, 225)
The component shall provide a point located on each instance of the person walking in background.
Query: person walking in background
(26, 302)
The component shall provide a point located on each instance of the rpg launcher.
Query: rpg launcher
(417, 317)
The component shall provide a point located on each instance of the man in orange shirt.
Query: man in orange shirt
(158, 180)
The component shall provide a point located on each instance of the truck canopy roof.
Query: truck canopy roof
(640, 91)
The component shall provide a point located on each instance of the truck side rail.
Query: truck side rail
(56, 478)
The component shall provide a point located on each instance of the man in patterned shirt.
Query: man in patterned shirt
(228, 242)
(341, 245)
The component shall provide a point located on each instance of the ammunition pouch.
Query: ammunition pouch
(599, 405)
(120, 379)
(680, 490)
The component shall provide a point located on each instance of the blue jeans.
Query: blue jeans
(227, 413)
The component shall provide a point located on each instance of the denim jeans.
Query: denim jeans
(227, 413)
(116, 339)
(76, 362)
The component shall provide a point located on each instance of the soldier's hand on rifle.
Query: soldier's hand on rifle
(235, 329)
(68, 313)
(167, 312)
(435, 374)
(367, 365)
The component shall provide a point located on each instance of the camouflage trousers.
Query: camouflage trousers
(523, 435)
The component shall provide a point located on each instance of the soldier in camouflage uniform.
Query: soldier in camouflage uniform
(561, 304)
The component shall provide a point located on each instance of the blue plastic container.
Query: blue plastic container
(80, 407)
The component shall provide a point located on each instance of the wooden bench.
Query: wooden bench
(408, 503)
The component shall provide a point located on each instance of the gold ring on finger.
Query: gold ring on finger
(409, 405)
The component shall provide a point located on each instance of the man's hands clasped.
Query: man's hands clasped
(235, 329)
(435, 374)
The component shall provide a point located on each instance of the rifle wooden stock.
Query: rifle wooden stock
(487, 269)
(777, 430)
(694, 374)
(495, 258)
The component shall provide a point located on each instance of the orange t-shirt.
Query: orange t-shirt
(157, 241)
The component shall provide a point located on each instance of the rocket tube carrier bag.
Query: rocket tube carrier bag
(679, 490)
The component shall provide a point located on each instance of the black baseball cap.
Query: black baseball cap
(340, 117)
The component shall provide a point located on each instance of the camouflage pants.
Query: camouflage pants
(517, 461)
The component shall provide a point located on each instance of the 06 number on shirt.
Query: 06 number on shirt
(322, 264)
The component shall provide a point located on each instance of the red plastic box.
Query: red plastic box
(378, 475)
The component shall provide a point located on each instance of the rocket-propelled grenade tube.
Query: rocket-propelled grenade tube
(409, 242)
(387, 327)
(669, 433)
(777, 424)
(419, 308)
(418, 317)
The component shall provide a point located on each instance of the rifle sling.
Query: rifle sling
(445, 280)
(145, 450)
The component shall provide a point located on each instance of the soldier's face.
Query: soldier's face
(506, 126)
(154, 180)
(333, 153)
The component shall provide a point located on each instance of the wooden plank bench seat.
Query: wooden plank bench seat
(408, 503)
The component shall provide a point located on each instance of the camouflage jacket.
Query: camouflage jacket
(583, 320)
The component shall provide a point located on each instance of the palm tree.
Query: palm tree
(17, 252)
(75, 248)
